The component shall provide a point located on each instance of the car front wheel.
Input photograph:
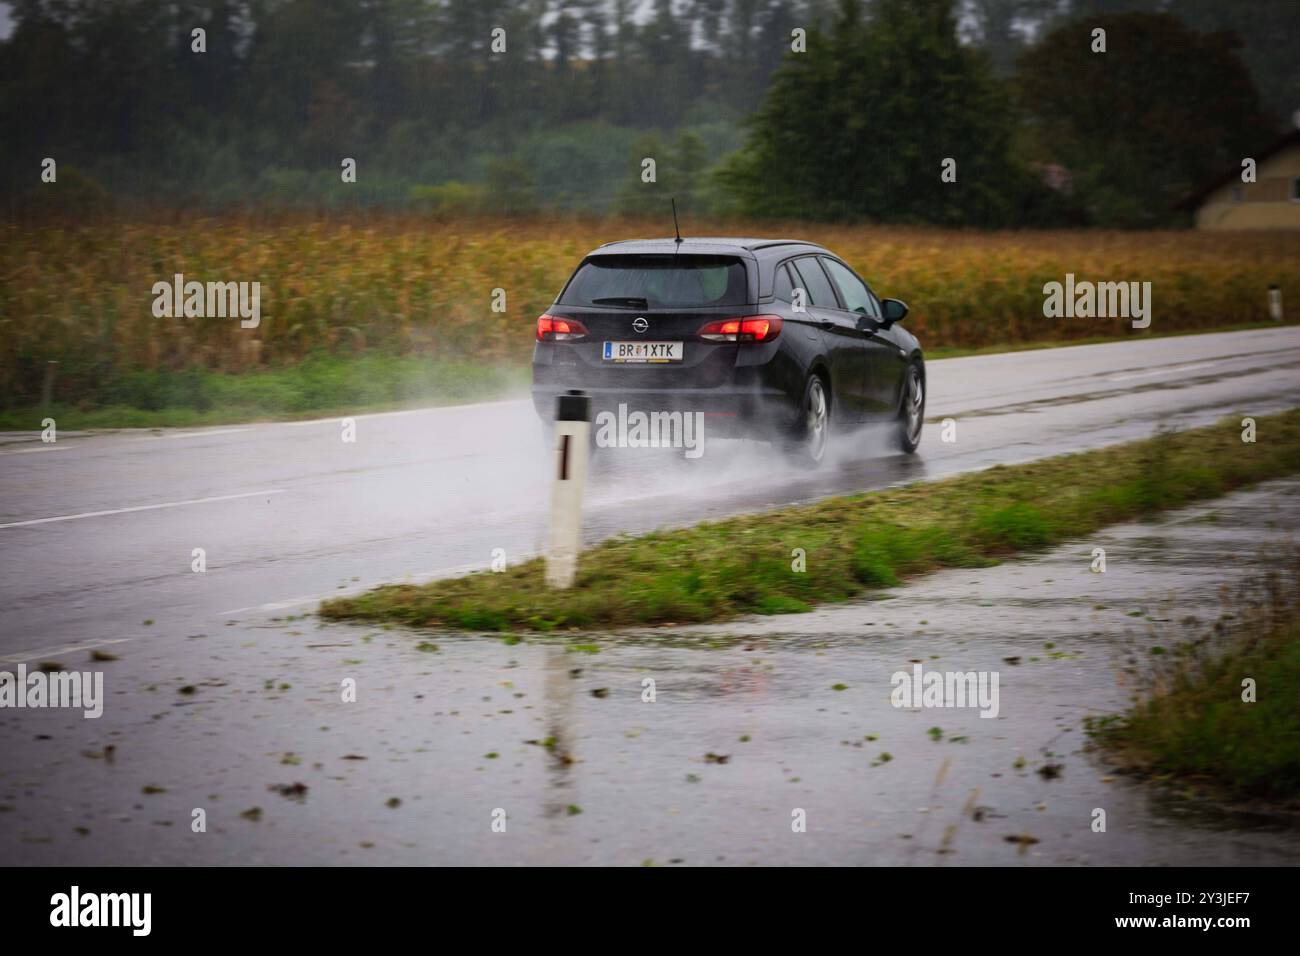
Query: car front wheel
(911, 417)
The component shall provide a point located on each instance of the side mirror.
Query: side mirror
(892, 311)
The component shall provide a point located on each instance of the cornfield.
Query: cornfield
(80, 294)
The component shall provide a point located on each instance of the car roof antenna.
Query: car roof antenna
(676, 228)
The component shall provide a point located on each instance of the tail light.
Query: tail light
(750, 328)
(551, 329)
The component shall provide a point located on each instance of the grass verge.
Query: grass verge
(745, 564)
(319, 386)
(1194, 723)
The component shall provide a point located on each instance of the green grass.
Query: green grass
(1193, 722)
(320, 385)
(874, 540)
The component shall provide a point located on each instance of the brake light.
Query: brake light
(750, 328)
(551, 329)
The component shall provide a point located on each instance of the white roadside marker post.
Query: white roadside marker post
(572, 427)
(1275, 303)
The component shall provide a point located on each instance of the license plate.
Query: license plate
(643, 351)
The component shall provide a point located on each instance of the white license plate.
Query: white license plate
(643, 352)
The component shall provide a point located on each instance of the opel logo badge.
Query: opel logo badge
(640, 324)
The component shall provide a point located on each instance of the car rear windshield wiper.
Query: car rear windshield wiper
(632, 301)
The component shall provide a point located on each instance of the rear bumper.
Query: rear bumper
(725, 412)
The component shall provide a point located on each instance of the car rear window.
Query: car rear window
(662, 281)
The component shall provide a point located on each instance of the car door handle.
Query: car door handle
(827, 326)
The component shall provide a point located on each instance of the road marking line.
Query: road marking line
(1167, 370)
(202, 434)
(27, 451)
(284, 605)
(122, 511)
(404, 411)
(49, 652)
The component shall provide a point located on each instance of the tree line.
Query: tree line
(515, 106)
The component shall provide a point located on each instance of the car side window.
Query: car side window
(815, 283)
(782, 285)
(857, 297)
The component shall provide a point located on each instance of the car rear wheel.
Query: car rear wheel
(812, 437)
(911, 417)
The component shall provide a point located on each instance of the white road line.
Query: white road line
(405, 411)
(27, 451)
(262, 426)
(1167, 370)
(48, 653)
(291, 602)
(202, 434)
(122, 511)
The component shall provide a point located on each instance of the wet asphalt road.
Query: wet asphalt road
(288, 513)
